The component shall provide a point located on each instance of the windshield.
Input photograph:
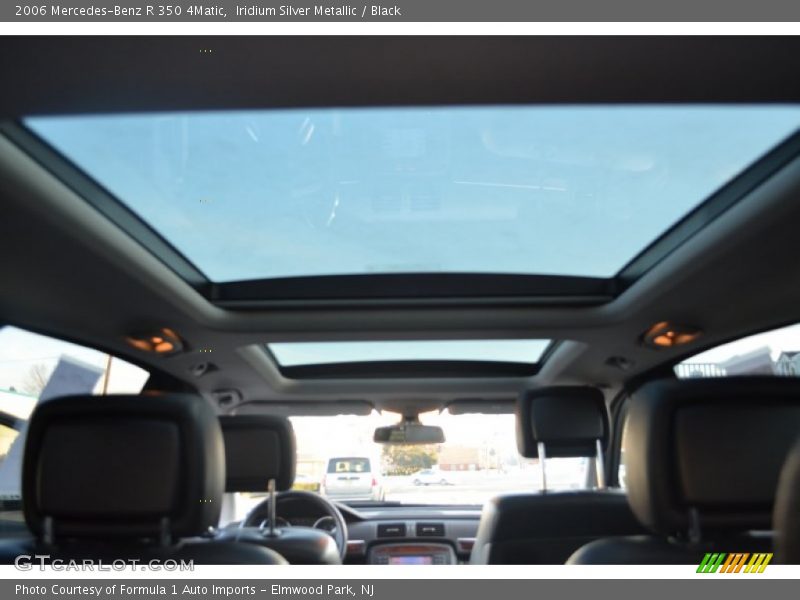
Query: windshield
(337, 457)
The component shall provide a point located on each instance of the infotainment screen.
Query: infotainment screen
(410, 560)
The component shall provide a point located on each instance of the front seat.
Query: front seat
(260, 449)
(786, 517)
(703, 458)
(547, 528)
(125, 477)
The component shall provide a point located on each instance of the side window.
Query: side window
(35, 368)
(7, 437)
(775, 352)
(11, 519)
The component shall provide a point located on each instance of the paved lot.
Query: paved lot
(472, 487)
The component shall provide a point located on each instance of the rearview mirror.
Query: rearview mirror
(409, 431)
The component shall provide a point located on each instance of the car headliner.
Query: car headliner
(74, 274)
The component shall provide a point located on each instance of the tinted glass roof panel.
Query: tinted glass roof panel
(291, 354)
(516, 190)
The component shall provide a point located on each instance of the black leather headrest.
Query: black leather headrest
(257, 449)
(569, 420)
(123, 466)
(709, 447)
(786, 518)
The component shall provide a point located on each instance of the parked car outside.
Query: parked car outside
(352, 478)
(430, 477)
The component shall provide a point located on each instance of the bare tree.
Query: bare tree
(36, 380)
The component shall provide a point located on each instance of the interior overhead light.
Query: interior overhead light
(164, 342)
(667, 335)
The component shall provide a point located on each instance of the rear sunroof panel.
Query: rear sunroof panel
(293, 354)
(575, 191)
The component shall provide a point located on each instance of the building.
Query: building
(788, 364)
(461, 458)
(755, 362)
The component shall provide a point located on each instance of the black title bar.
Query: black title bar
(402, 11)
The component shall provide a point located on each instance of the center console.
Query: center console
(411, 535)
(412, 554)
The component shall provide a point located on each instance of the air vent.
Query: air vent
(430, 529)
(392, 530)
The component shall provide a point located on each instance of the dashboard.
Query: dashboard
(400, 535)
(393, 534)
(324, 522)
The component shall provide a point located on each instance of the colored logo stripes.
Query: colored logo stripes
(735, 562)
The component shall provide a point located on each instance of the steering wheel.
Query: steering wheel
(259, 515)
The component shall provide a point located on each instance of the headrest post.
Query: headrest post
(165, 535)
(600, 465)
(695, 534)
(272, 507)
(48, 536)
(542, 458)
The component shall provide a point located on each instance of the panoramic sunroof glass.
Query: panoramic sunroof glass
(291, 354)
(570, 190)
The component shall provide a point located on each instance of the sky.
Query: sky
(544, 190)
(299, 353)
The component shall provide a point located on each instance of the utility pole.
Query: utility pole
(106, 375)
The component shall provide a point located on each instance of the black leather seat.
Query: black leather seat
(259, 449)
(126, 477)
(703, 458)
(786, 517)
(547, 528)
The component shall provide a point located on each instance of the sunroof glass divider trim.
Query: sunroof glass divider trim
(423, 369)
(428, 288)
(104, 202)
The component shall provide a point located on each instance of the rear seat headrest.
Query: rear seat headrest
(258, 448)
(707, 453)
(786, 518)
(123, 466)
(569, 420)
